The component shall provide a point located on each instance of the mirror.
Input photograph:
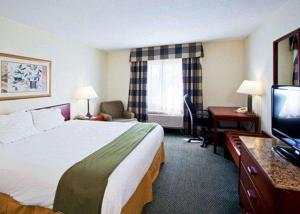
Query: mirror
(286, 59)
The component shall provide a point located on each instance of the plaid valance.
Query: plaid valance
(189, 50)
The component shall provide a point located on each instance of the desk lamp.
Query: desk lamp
(87, 92)
(250, 88)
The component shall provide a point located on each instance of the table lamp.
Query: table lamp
(250, 88)
(87, 92)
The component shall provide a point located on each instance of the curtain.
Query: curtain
(190, 53)
(296, 67)
(179, 51)
(165, 87)
(192, 85)
(137, 90)
(293, 40)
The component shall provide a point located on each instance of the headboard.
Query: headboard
(65, 110)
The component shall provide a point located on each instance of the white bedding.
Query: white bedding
(30, 168)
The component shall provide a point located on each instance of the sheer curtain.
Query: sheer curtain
(165, 87)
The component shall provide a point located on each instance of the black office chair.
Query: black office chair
(202, 120)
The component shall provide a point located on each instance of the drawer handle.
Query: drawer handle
(251, 194)
(252, 170)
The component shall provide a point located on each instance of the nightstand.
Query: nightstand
(93, 118)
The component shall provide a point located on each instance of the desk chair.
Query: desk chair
(202, 120)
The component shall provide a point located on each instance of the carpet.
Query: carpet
(194, 180)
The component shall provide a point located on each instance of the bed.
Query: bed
(31, 168)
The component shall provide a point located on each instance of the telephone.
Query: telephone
(242, 110)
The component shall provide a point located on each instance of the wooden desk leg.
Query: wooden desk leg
(257, 126)
(215, 135)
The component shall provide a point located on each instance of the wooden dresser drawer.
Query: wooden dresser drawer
(233, 142)
(247, 207)
(252, 194)
(258, 177)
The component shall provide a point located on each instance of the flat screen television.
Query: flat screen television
(286, 121)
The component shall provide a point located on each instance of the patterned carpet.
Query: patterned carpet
(194, 180)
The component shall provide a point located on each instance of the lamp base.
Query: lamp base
(88, 109)
(250, 105)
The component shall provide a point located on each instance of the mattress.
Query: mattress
(30, 168)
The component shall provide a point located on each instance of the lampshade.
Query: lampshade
(250, 87)
(86, 92)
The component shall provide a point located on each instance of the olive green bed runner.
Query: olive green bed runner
(81, 188)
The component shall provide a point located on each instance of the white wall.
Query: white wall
(223, 71)
(73, 65)
(259, 51)
(118, 75)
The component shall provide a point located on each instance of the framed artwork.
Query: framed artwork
(24, 77)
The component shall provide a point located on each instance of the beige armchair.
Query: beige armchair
(114, 111)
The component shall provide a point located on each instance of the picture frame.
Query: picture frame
(24, 77)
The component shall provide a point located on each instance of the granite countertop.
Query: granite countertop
(283, 174)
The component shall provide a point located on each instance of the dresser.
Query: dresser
(267, 183)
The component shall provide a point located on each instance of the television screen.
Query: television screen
(286, 114)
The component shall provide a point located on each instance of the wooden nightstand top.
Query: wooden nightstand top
(93, 118)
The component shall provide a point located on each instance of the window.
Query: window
(165, 87)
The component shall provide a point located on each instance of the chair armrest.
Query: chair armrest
(128, 114)
(107, 117)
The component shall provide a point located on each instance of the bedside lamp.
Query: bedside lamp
(87, 93)
(250, 88)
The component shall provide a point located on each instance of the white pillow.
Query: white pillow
(16, 126)
(46, 119)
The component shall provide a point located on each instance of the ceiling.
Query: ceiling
(119, 24)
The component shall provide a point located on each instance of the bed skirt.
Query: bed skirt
(141, 196)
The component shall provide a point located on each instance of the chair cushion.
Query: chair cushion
(113, 108)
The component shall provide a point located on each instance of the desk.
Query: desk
(229, 114)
